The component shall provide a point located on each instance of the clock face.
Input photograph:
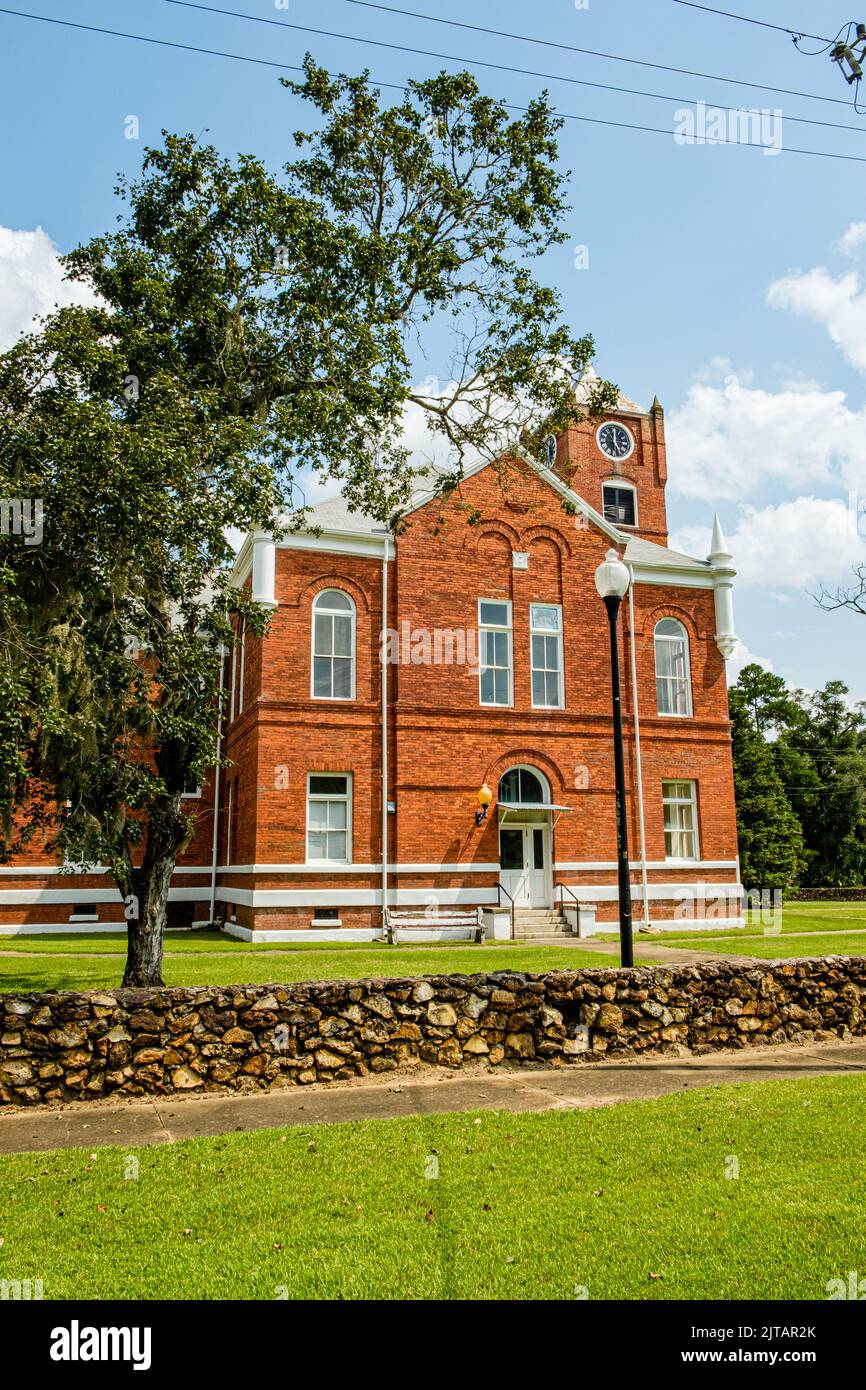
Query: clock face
(615, 440)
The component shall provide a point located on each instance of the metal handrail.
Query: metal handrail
(564, 888)
(500, 890)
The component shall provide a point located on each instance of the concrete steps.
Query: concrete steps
(540, 924)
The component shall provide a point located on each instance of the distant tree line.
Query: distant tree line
(800, 779)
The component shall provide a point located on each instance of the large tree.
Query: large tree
(800, 775)
(247, 326)
(769, 833)
(821, 757)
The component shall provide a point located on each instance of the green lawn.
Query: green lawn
(232, 962)
(777, 947)
(627, 1202)
(845, 920)
(811, 918)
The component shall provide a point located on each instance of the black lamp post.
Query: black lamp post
(612, 581)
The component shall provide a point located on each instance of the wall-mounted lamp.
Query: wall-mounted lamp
(485, 796)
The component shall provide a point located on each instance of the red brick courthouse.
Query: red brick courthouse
(358, 759)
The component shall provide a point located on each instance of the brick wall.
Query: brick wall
(442, 743)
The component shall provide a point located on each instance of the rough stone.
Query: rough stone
(79, 1046)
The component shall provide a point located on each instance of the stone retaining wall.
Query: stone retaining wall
(826, 895)
(65, 1046)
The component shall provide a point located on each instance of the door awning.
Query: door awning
(526, 810)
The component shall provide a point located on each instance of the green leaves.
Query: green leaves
(248, 325)
(801, 797)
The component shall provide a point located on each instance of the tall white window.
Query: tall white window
(673, 679)
(329, 817)
(333, 646)
(545, 620)
(242, 642)
(495, 666)
(681, 820)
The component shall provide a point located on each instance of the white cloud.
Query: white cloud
(851, 240)
(798, 544)
(730, 439)
(742, 656)
(838, 304)
(31, 282)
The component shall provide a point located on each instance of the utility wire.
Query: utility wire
(498, 67)
(294, 67)
(746, 19)
(501, 33)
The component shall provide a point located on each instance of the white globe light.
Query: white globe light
(612, 576)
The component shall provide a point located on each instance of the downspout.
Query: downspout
(216, 794)
(383, 658)
(643, 867)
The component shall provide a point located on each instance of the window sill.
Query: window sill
(326, 922)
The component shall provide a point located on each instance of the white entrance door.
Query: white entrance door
(524, 864)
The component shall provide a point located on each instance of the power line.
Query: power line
(164, 43)
(746, 19)
(592, 52)
(480, 62)
(294, 67)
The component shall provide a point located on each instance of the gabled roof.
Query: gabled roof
(589, 379)
(335, 518)
(335, 514)
(641, 552)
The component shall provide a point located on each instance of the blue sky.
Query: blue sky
(727, 281)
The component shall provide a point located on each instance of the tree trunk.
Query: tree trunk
(146, 908)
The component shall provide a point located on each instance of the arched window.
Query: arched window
(333, 646)
(522, 785)
(673, 678)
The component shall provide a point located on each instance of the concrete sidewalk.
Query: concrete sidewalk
(167, 1120)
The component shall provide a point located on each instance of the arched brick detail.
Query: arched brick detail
(476, 534)
(667, 610)
(532, 534)
(525, 757)
(332, 581)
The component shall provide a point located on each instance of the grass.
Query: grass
(238, 963)
(56, 961)
(796, 917)
(846, 922)
(628, 1202)
(778, 947)
(199, 942)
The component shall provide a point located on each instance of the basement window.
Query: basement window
(326, 917)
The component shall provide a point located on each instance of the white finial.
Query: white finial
(719, 553)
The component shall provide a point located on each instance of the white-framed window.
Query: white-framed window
(242, 643)
(673, 675)
(192, 788)
(545, 636)
(234, 684)
(680, 803)
(495, 652)
(329, 817)
(333, 673)
(619, 502)
(231, 811)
